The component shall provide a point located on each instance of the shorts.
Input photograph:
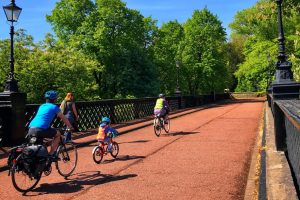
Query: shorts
(105, 140)
(42, 133)
(160, 112)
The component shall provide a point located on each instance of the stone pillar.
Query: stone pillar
(14, 122)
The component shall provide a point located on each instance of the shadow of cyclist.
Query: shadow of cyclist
(80, 181)
(178, 133)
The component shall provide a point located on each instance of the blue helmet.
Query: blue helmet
(105, 119)
(51, 94)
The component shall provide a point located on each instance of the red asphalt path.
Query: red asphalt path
(206, 155)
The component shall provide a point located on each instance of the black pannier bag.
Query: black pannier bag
(34, 159)
(13, 154)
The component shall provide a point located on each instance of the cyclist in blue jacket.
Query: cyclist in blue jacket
(40, 125)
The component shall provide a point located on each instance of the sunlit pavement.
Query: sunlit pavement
(206, 155)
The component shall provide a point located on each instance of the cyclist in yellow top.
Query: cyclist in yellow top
(162, 107)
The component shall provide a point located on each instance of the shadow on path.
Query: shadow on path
(178, 133)
(122, 158)
(137, 141)
(77, 182)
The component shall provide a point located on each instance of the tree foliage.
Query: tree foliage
(49, 65)
(119, 38)
(167, 54)
(103, 49)
(259, 26)
(204, 67)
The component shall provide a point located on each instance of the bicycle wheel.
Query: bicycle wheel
(97, 154)
(21, 180)
(67, 153)
(114, 149)
(157, 127)
(167, 124)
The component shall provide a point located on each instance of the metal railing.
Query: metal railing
(123, 110)
(91, 112)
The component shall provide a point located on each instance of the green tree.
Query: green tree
(257, 70)
(167, 53)
(53, 66)
(234, 56)
(48, 65)
(68, 15)
(260, 27)
(23, 44)
(204, 66)
(119, 39)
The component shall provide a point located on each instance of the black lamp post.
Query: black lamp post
(283, 67)
(12, 12)
(177, 91)
(283, 87)
(269, 69)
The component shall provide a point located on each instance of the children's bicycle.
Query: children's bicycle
(161, 123)
(103, 148)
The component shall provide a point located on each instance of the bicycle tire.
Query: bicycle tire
(157, 127)
(167, 125)
(114, 150)
(14, 171)
(97, 154)
(64, 153)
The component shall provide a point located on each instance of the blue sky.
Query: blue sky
(32, 18)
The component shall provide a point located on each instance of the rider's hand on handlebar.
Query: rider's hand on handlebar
(71, 128)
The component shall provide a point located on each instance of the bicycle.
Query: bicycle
(28, 161)
(161, 123)
(103, 148)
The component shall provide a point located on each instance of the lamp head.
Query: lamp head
(12, 11)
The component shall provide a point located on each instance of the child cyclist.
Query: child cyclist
(105, 132)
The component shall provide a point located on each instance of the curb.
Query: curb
(252, 186)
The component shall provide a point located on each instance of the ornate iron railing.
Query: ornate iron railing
(123, 110)
(11, 114)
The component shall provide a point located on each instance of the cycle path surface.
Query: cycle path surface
(206, 155)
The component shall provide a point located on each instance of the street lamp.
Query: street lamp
(283, 87)
(177, 91)
(12, 12)
(283, 67)
(269, 69)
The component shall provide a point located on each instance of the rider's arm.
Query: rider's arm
(114, 131)
(65, 120)
(166, 105)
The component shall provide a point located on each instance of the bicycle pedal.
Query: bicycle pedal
(48, 171)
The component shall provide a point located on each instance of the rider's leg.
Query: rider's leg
(55, 142)
(163, 114)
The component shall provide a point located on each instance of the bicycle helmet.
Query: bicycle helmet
(161, 95)
(105, 119)
(51, 94)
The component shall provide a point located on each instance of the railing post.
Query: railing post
(279, 126)
(14, 122)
